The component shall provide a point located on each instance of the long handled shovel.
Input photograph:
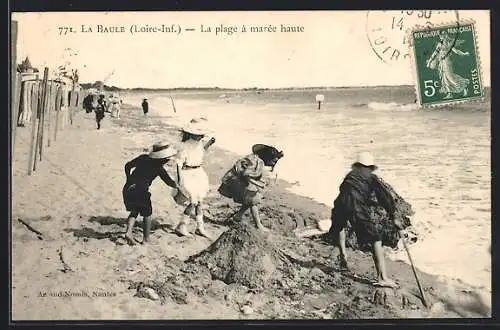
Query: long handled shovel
(424, 301)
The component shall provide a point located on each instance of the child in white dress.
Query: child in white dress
(191, 176)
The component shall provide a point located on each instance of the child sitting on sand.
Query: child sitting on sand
(246, 180)
(353, 205)
(191, 175)
(136, 195)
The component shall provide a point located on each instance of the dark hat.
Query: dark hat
(267, 153)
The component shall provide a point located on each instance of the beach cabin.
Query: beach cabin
(61, 94)
(30, 81)
(67, 95)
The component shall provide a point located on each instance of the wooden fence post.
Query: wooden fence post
(50, 104)
(40, 123)
(33, 142)
(71, 102)
(43, 103)
(58, 112)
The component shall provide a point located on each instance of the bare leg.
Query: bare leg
(342, 248)
(256, 217)
(146, 229)
(200, 226)
(379, 260)
(182, 227)
(131, 222)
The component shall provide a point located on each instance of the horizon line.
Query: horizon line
(245, 88)
(250, 88)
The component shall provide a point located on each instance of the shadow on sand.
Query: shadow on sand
(113, 228)
(310, 263)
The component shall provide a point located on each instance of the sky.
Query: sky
(334, 48)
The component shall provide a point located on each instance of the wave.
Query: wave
(381, 106)
(394, 106)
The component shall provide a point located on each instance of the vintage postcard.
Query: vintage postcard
(251, 165)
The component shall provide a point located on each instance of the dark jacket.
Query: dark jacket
(355, 197)
(145, 171)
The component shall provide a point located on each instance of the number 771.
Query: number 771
(430, 87)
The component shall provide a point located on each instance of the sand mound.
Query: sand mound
(281, 218)
(242, 255)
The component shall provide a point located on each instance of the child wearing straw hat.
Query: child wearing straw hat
(353, 205)
(247, 179)
(191, 175)
(136, 195)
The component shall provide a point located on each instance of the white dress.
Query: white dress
(194, 180)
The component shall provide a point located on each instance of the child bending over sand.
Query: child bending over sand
(191, 175)
(247, 179)
(353, 205)
(136, 195)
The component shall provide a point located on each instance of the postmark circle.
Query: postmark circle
(388, 30)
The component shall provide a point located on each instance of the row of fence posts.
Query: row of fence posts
(41, 108)
(42, 116)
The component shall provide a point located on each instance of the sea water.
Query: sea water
(438, 160)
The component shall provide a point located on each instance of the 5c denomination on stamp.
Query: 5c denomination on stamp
(446, 64)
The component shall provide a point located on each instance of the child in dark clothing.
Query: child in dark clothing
(99, 111)
(136, 195)
(353, 205)
(246, 181)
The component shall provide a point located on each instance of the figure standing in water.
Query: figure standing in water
(441, 61)
(145, 106)
(246, 181)
(353, 205)
(191, 175)
(136, 195)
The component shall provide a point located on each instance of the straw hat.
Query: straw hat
(162, 150)
(366, 159)
(195, 128)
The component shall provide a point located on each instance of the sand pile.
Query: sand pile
(279, 217)
(243, 255)
(390, 233)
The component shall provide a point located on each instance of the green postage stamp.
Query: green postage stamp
(446, 64)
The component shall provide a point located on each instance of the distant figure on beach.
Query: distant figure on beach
(99, 111)
(353, 205)
(104, 101)
(114, 107)
(440, 60)
(247, 179)
(145, 106)
(191, 175)
(88, 103)
(136, 195)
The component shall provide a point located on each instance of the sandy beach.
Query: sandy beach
(80, 269)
